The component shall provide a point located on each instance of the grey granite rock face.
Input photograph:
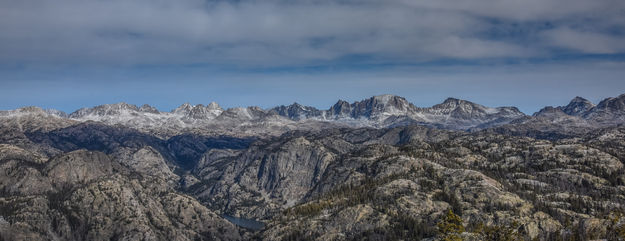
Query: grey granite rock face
(341, 109)
(296, 111)
(102, 110)
(488, 179)
(578, 106)
(89, 195)
(559, 174)
(608, 112)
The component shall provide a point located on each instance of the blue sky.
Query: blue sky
(69, 54)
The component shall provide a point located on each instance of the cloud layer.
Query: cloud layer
(275, 33)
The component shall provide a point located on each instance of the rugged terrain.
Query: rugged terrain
(376, 169)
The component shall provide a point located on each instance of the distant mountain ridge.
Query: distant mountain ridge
(377, 111)
(608, 111)
(383, 110)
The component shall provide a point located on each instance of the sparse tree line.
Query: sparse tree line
(451, 226)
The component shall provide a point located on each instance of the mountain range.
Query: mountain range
(378, 112)
(377, 169)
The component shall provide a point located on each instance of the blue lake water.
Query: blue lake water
(245, 223)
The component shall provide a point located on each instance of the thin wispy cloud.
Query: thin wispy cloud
(295, 33)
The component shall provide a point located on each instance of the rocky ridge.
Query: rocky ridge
(557, 175)
(378, 111)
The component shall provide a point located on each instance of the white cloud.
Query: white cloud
(586, 42)
(274, 32)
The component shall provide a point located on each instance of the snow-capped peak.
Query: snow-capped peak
(120, 108)
(384, 99)
(377, 111)
(296, 111)
(381, 107)
(200, 111)
(148, 109)
(183, 109)
(32, 110)
(214, 106)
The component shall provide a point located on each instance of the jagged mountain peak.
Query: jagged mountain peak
(213, 105)
(30, 109)
(458, 114)
(457, 105)
(148, 109)
(255, 108)
(454, 105)
(385, 98)
(297, 111)
(199, 111)
(184, 108)
(578, 106)
(105, 110)
(580, 111)
(579, 99)
(242, 113)
(341, 109)
(55, 112)
(608, 111)
(382, 106)
(341, 102)
(455, 102)
(188, 106)
(549, 111)
(296, 105)
(33, 110)
(452, 100)
(613, 103)
(388, 99)
(119, 105)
